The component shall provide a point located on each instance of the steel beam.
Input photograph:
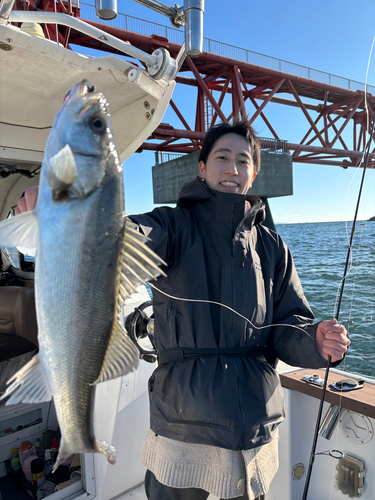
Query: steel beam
(252, 88)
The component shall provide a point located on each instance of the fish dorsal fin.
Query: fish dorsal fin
(20, 231)
(61, 171)
(28, 385)
(136, 265)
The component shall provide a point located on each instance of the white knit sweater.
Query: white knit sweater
(223, 473)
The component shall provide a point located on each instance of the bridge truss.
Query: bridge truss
(337, 119)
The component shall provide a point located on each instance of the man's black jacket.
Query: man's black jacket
(215, 253)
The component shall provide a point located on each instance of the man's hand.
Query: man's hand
(332, 340)
(28, 202)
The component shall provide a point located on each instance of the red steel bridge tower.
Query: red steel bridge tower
(338, 112)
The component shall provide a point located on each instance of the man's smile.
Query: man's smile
(229, 183)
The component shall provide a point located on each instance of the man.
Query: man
(231, 302)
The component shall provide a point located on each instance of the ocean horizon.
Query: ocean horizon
(319, 250)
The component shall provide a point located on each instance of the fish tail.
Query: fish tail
(100, 447)
(107, 450)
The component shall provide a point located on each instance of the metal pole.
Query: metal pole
(20, 16)
(6, 7)
(194, 10)
(159, 7)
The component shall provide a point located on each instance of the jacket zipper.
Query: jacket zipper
(242, 434)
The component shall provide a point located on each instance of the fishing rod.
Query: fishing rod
(324, 388)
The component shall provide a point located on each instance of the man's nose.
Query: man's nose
(232, 168)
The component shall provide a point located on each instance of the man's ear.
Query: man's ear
(202, 169)
(253, 179)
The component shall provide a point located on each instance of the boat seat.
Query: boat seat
(18, 326)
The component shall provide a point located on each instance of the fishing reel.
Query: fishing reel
(140, 327)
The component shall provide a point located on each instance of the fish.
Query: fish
(89, 257)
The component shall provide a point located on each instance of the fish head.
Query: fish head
(81, 151)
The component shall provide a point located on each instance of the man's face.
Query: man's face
(229, 167)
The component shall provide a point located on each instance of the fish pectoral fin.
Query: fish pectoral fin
(137, 263)
(61, 171)
(121, 357)
(20, 231)
(28, 385)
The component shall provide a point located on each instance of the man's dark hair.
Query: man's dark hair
(241, 128)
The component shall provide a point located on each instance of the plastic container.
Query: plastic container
(26, 450)
(54, 449)
(15, 463)
(26, 467)
(37, 472)
(14, 475)
(37, 445)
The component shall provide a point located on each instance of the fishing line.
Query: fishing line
(340, 294)
(360, 160)
(358, 164)
(202, 301)
(324, 388)
(354, 277)
(366, 80)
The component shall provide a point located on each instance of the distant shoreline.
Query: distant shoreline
(324, 221)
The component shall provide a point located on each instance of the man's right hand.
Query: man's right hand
(28, 201)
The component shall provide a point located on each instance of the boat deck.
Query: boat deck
(139, 494)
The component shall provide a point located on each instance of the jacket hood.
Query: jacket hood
(198, 191)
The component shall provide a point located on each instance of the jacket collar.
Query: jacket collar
(222, 205)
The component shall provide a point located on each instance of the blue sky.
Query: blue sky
(335, 37)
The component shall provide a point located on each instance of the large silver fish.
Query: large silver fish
(89, 258)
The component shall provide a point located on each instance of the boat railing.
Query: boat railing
(174, 35)
(160, 65)
(268, 145)
(20, 16)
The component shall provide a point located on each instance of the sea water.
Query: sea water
(319, 251)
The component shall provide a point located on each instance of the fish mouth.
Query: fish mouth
(85, 87)
(80, 89)
(83, 95)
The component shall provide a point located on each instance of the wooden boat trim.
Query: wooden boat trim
(360, 401)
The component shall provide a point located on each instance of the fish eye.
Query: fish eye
(98, 124)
